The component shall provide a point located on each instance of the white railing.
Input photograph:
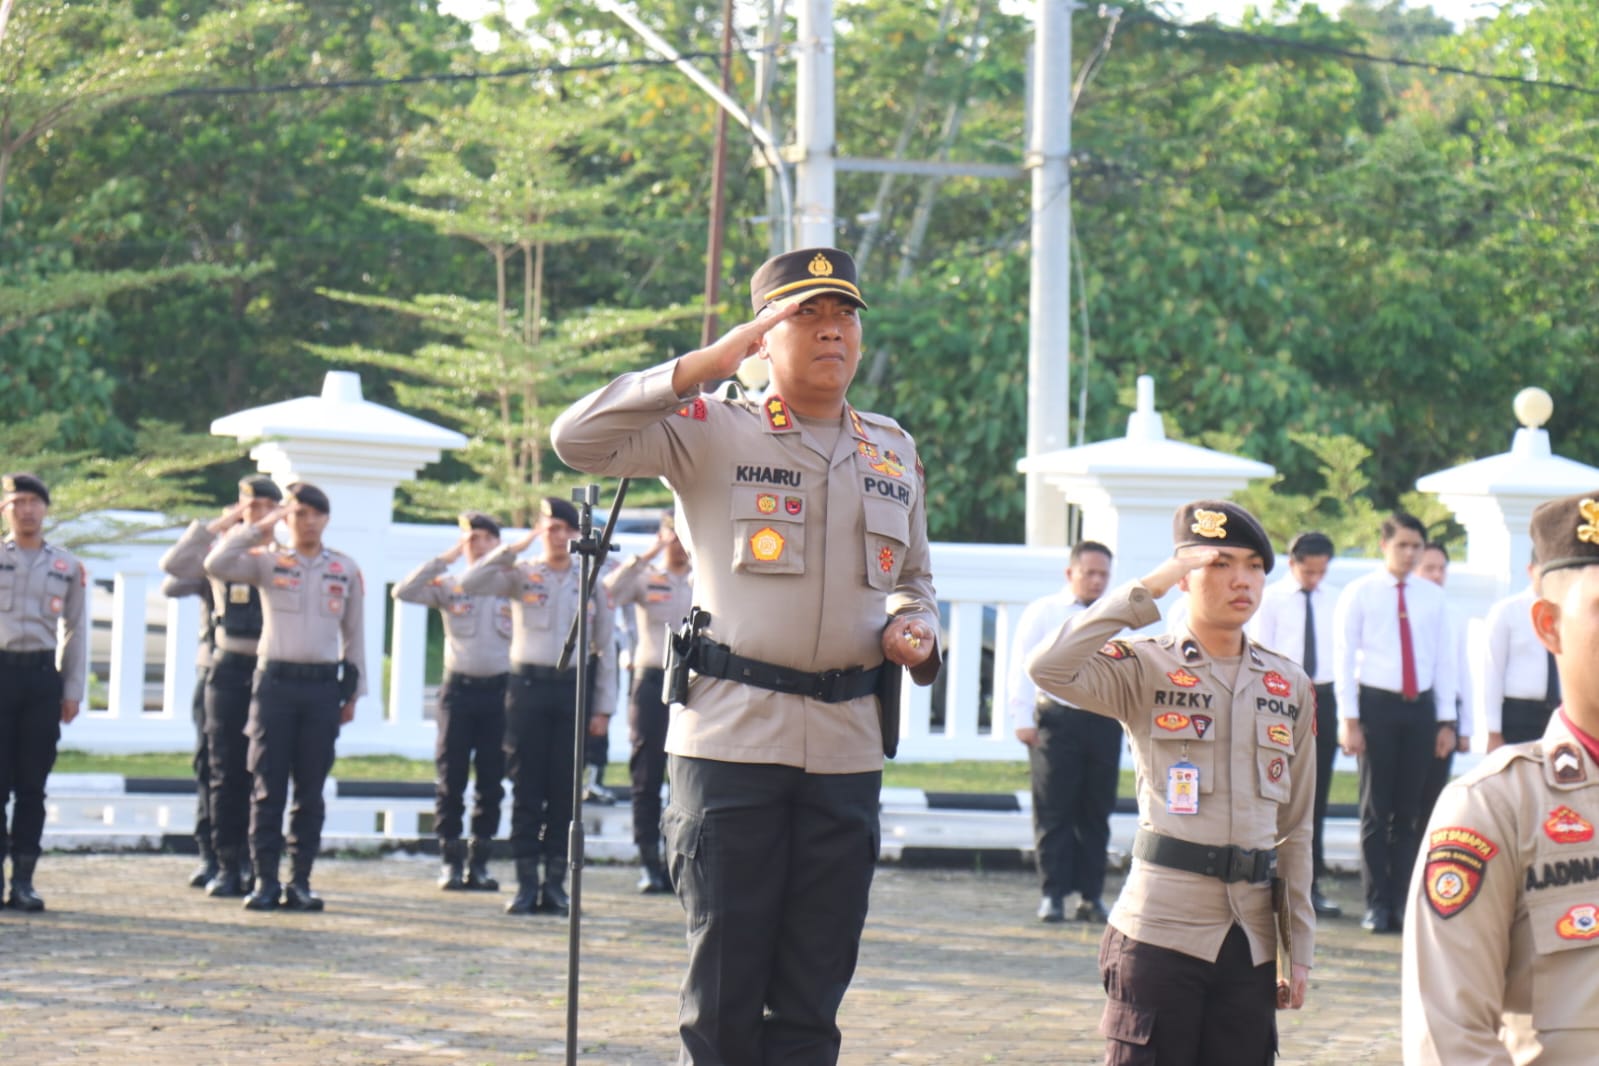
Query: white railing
(149, 658)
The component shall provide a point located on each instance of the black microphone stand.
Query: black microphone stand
(590, 552)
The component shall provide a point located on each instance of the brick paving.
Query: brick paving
(130, 966)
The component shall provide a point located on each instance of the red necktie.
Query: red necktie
(1407, 650)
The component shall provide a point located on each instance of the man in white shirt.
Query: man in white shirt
(1075, 756)
(1296, 619)
(1396, 697)
(1434, 567)
(1520, 686)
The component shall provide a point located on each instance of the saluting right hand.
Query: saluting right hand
(271, 520)
(1164, 577)
(231, 516)
(721, 358)
(456, 550)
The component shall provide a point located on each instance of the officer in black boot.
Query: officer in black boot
(44, 658)
(311, 673)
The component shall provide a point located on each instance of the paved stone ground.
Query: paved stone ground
(130, 966)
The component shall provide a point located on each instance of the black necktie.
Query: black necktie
(1551, 692)
(1309, 662)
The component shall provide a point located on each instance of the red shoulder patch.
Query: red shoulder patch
(1117, 649)
(696, 409)
(1457, 861)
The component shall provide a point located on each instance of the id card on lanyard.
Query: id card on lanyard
(1182, 788)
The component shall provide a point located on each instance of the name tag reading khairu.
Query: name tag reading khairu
(1182, 788)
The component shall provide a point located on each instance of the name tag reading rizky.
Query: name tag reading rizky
(1182, 788)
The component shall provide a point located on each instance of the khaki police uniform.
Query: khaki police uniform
(659, 599)
(312, 619)
(44, 659)
(806, 545)
(471, 723)
(1248, 729)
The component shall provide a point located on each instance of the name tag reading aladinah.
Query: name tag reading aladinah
(1182, 788)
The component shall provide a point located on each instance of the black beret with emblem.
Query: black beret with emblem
(560, 510)
(15, 483)
(797, 276)
(310, 496)
(260, 488)
(1565, 532)
(1219, 524)
(471, 520)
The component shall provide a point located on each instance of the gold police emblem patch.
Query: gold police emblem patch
(1588, 529)
(1211, 524)
(820, 266)
(766, 544)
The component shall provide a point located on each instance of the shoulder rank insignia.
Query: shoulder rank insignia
(1117, 649)
(1211, 524)
(1254, 655)
(695, 410)
(1191, 651)
(1567, 763)
(777, 413)
(1588, 530)
(855, 422)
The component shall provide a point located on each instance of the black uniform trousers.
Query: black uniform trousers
(1076, 768)
(30, 727)
(773, 866)
(293, 726)
(538, 759)
(228, 690)
(204, 828)
(646, 725)
(1326, 751)
(471, 734)
(1524, 720)
(1400, 735)
(1166, 1008)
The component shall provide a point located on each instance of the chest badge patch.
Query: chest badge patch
(1275, 769)
(695, 410)
(1457, 860)
(885, 560)
(61, 566)
(1279, 734)
(1579, 923)
(1182, 678)
(1202, 724)
(765, 503)
(766, 544)
(1566, 826)
(1171, 721)
(238, 593)
(1276, 684)
(792, 504)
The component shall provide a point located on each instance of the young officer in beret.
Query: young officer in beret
(471, 722)
(311, 671)
(540, 700)
(44, 667)
(227, 674)
(1222, 730)
(1501, 942)
(808, 526)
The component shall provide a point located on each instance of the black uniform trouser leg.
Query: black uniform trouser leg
(1438, 771)
(30, 728)
(293, 727)
(1076, 771)
(203, 817)
(774, 868)
(647, 721)
(227, 713)
(1326, 750)
(1165, 1008)
(538, 759)
(471, 735)
(1399, 744)
(1523, 720)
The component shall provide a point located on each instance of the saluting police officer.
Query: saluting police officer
(233, 630)
(44, 661)
(660, 594)
(174, 587)
(1222, 731)
(1501, 959)
(311, 671)
(471, 722)
(808, 525)
(541, 700)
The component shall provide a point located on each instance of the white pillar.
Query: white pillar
(126, 697)
(177, 681)
(814, 126)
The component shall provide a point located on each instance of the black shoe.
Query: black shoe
(297, 896)
(553, 898)
(1051, 909)
(1324, 907)
(1378, 919)
(527, 888)
(477, 867)
(263, 897)
(451, 877)
(204, 873)
(23, 897)
(1091, 910)
(226, 883)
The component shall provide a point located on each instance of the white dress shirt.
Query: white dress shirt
(1039, 623)
(1518, 664)
(1461, 672)
(1366, 641)
(1280, 625)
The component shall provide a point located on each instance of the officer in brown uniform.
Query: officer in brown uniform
(44, 660)
(233, 630)
(1222, 730)
(471, 721)
(659, 587)
(310, 673)
(1501, 959)
(540, 700)
(807, 522)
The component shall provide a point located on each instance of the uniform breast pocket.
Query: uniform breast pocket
(1201, 752)
(887, 536)
(768, 531)
(8, 586)
(1274, 749)
(333, 600)
(285, 596)
(463, 619)
(536, 607)
(502, 618)
(1565, 968)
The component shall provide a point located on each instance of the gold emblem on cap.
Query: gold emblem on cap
(821, 267)
(545, 509)
(1588, 530)
(1211, 524)
(8, 484)
(465, 523)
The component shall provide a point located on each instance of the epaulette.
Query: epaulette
(1501, 759)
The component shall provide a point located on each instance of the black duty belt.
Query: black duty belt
(536, 672)
(236, 660)
(830, 686)
(1043, 703)
(27, 660)
(469, 681)
(1223, 861)
(301, 671)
